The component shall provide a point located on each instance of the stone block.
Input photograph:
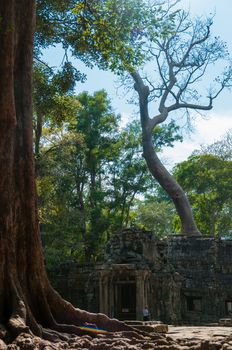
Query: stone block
(225, 322)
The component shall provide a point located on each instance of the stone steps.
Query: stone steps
(225, 321)
(148, 326)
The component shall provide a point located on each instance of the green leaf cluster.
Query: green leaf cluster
(155, 215)
(207, 180)
(90, 174)
(115, 32)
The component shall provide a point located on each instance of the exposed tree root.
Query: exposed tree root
(43, 320)
(59, 324)
(54, 319)
(120, 341)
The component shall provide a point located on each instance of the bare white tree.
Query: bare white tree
(179, 67)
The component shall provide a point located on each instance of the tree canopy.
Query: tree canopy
(90, 172)
(177, 58)
(207, 180)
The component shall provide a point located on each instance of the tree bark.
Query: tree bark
(157, 169)
(28, 303)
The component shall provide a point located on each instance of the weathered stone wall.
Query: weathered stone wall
(186, 280)
(78, 284)
(204, 264)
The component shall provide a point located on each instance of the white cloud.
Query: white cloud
(207, 131)
(126, 118)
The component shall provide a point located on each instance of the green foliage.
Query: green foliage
(73, 159)
(207, 180)
(54, 23)
(179, 49)
(155, 215)
(115, 32)
(166, 135)
(100, 171)
(108, 33)
(51, 91)
(129, 176)
(91, 173)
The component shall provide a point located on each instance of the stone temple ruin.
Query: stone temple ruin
(182, 280)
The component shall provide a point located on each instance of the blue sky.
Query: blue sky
(207, 130)
(219, 119)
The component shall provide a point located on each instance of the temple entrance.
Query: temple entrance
(123, 291)
(125, 300)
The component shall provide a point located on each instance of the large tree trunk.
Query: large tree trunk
(157, 169)
(28, 303)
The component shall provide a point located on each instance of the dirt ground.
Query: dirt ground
(201, 333)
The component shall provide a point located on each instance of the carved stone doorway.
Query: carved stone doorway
(125, 300)
(123, 291)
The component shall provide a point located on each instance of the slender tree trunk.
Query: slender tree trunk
(129, 208)
(27, 300)
(157, 169)
(38, 134)
(169, 184)
(82, 212)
